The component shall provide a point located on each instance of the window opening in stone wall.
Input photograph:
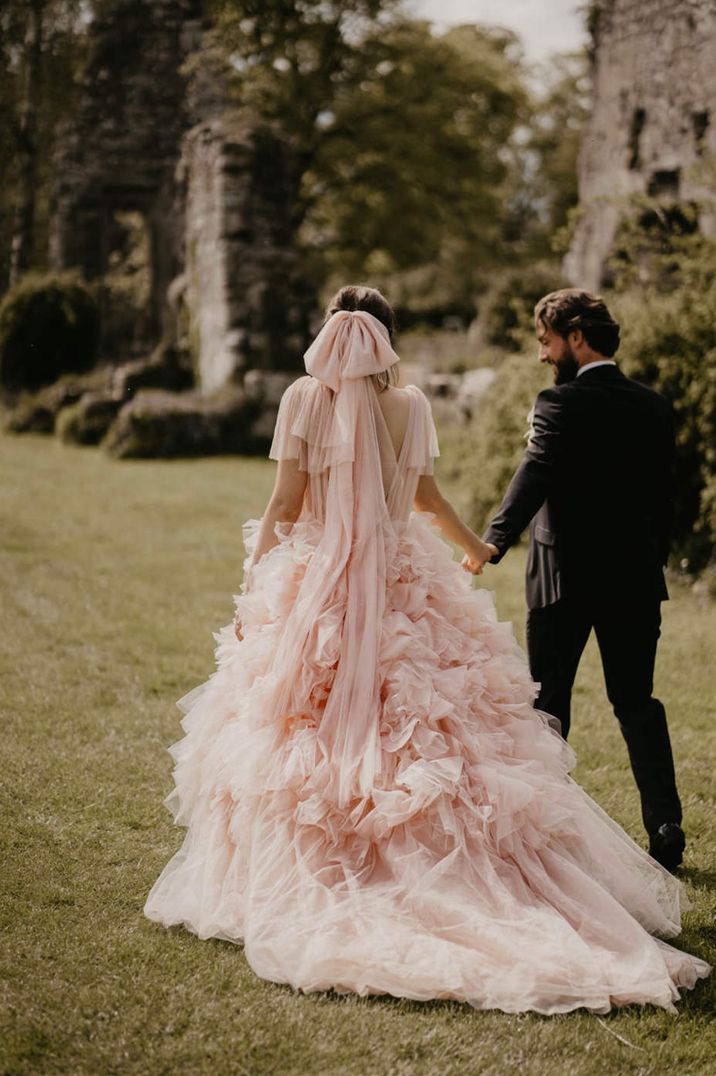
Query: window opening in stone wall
(127, 280)
(665, 184)
(637, 126)
(701, 121)
(646, 247)
(679, 218)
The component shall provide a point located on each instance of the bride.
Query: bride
(372, 802)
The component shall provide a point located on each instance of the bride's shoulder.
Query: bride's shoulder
(305, 383)
(404, 392)
(305, 388)
(417, 393)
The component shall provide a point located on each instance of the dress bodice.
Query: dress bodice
(307, 430)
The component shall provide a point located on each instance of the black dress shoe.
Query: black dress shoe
(667, 845)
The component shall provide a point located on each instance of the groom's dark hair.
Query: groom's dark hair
(569, 309)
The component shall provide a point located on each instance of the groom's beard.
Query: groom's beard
(566, 368)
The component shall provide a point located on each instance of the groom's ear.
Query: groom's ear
(575, 338)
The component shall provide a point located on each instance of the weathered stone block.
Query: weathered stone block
(87, 421)
(165, 424)
(29, 415)
(247, 303)
(37, 412)
(161, 371)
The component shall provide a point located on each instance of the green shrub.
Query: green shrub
(161, 424)
(506, 310)
(483, 456)
(37, 412)
(669, 343)
(49, 326)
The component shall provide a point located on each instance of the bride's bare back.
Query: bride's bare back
(395, 405)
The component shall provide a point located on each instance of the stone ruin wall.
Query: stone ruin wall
(248, 304)
(653, 122)
(210, 184)
(211, 344)
(121, 149)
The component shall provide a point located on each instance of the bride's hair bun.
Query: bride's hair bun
(363, 297)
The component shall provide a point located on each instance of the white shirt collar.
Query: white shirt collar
(593, 365)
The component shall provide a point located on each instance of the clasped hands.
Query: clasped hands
(477, 558)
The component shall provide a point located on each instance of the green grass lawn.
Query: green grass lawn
(113, 577)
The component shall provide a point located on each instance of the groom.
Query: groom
(595, 487)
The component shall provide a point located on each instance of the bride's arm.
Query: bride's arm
(428, 498)
(283, 507)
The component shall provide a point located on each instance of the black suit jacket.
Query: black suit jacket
(596, 487)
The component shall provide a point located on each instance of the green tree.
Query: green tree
(544, 159)
(398, 133)
(665, 300)
(540, 192)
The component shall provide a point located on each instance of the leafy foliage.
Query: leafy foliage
(483, 456)
(49, 326)
(506, 310)
(543, 161)
(669, 343)
(418, 159)
(413, 153)
(399, 133)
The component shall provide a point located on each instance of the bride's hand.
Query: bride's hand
(477, 556)
(237, 628)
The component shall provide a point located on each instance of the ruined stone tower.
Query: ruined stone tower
(247, 300)
(653, 122)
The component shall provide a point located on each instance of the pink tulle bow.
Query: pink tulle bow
(350, 345)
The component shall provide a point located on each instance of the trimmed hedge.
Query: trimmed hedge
(49, 326)
(37, 412)
(158, 424)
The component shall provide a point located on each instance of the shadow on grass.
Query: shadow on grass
(698, 1001)
(698, 877)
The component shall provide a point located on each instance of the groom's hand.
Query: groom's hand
(475, 562)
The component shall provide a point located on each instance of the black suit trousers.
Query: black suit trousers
(627, 628)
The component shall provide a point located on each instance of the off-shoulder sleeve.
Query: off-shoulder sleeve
(305, 423)
(423, 447)
(286, 445)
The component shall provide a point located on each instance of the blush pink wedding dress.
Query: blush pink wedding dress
(372, 802)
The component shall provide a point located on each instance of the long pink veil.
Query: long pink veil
(348, 568)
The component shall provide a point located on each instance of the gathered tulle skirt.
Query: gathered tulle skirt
(474, 868)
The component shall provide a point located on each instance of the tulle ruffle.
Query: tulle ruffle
(474, 869)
